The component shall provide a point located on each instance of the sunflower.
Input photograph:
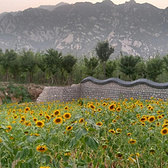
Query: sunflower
(47, 117)
(151, 119)
(8, 128)
(41, 114)
(39, 123)
(152, 151)
(158, 124)
(129, 134)
(27, 109)
(143, 124)
(67, 115)
(0, 140)
(114, 121)
(81, 120)
(26, 132)
(69, 128)
(132, 141)
(35, 119)
(66, 108)
(164, 125)
(15, 116)
(41, 148)
(91, 106)
(143, 119)
(23, 118)
(67, 154)
(150, 108)
(112, 107)
(159, 117)
(112, 131)
(119, 155)
(56, 112)
(165, 121)
(99, 123)
(137, 115)
(119, 130)
(104, 104)
(118, 109)
(164, 131)
(57, 120)
(99, 109)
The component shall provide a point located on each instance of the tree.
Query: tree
(154, 68)
(165, 58)
(53, 63)
(28, 63)
(91, 65)
(9, 63)
(103, 51)
(68, 63)
(140, 69)
(110, 68)
(128, 65)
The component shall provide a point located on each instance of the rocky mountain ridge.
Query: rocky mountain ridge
(133, 28)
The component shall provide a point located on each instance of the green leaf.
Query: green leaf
(80, 132)
(31, 139)
(25, 153)
(45, 159)
(18, 155)
(72, 142)
(91, 142)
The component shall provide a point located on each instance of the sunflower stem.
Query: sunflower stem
(137, 162)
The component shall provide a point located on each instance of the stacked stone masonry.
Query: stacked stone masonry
(100, 89)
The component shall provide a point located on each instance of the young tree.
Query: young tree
(103, 51)
(9, 63)
(110, 68)
(68, 63)
(91, 65)
(140, 69)
(53, 63)
(127, 65)
(28, 63)
(154, 67)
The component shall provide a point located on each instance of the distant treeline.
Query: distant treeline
(53, 68)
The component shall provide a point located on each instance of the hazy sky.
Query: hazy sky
(16, 5)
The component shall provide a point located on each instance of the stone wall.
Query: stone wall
(111, 88)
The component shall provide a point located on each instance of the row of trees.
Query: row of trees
(51, 67)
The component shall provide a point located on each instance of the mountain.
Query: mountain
(52, 7)
(133, 28)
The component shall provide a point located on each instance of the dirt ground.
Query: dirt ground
(33, 89)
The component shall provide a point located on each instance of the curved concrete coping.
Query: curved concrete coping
(126, 83)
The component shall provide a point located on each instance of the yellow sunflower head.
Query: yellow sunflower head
(69, 128)
(41, 148)
(57, 120)
(39, 123)
(67, 115)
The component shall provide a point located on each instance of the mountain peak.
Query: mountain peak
(52, 7)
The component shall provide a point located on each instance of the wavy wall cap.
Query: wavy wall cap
(126, 83)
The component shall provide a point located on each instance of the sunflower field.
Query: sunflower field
(85, 133)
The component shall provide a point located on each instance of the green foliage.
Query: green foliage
(68, 62)
(154, 68)
(110, 68)
(165, 59)
(18, 92)
(103, 51)
(53, 68)
(128, 64)
(91, 65)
